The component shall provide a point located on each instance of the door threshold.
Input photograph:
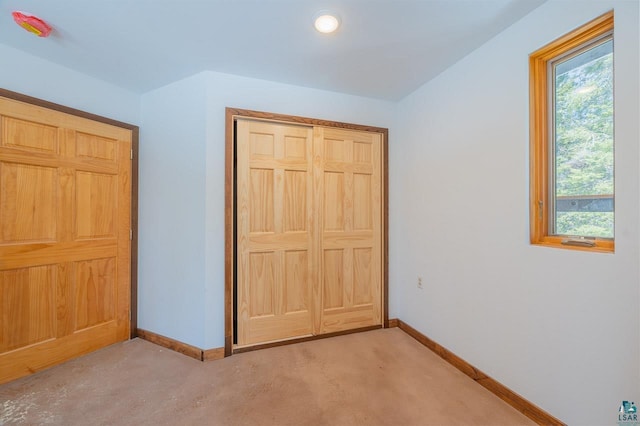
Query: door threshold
(237, 349)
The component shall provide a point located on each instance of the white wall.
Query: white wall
(171, 255)
(559, 327)
(181, 270)
(30, 75)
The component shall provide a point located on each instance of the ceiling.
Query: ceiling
(384, 49)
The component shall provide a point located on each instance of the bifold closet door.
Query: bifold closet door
(349, 187)
(275, 254)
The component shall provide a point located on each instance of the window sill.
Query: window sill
(601, 246)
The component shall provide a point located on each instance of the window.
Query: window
(572, 139)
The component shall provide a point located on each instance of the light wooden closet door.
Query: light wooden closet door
(275, 262)
(65, 190)
(349, 188)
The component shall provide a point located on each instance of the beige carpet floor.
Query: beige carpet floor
(381, 377)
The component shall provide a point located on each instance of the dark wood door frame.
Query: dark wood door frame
(135, 132)
(231, 114)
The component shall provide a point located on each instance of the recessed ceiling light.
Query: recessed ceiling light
(326, 22)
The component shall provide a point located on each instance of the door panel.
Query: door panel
(275, 254)
(296, 282)
(96, 205)
(29, 195)
(362, 276)
(29, 135)
(28, 306)
(95, 292)
(334, 209)
(333, 262)
(295, 201)
(65, 191)
(351, 242)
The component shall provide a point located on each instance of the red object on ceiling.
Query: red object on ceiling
(32, 23)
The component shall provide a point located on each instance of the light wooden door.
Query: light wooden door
(309, 230)
(275, 262)
(349, 187)
(65, 191)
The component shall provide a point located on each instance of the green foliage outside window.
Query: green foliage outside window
(584, 143)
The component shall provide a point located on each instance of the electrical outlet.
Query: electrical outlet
(420, 282)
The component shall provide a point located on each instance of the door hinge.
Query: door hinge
(130, 234)
(131, 154)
